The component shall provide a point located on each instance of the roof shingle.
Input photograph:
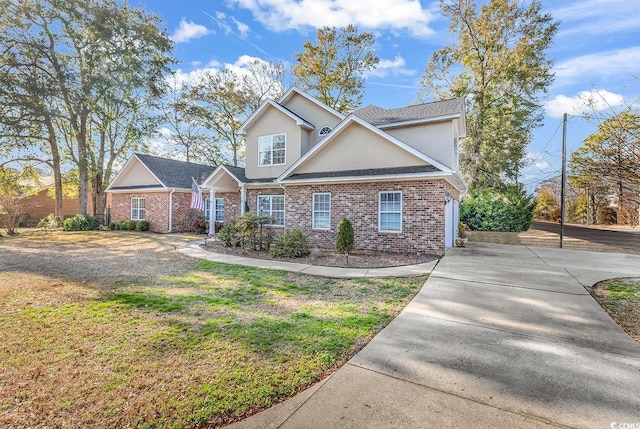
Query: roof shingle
(175, 174)
(379, 116)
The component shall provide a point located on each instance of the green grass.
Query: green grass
(203, 346)
(624, 289)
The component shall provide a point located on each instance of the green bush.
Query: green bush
(143, 225)
(230, 236)
(346, 237)
(293, 244)
(462, 230)
(50, 222)
(112, 226)
(80, 222)
(496, 211)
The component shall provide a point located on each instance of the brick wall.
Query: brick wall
(231, 205)
(156, 206)
(422, 214)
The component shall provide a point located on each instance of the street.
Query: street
(626, 239)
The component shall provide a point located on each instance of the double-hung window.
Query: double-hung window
(272, 149)
(390, 211)
(219, 210)
(321, 218)
(273, 206)
(219, 217)
(137, 208)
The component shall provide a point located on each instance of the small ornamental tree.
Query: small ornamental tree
(346, 238)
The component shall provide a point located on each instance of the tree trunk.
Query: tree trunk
(55, 166)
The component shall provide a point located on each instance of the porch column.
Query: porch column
(212, 210)
(243, 199)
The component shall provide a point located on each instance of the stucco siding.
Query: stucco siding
(272, 122)
(313, 114)
(358, 148)
(136, 174)
(434, 140)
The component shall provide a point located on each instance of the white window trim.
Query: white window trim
(138, 199)
(285, 150)
(313, 211)
(207, 209)
(380, 211)
(284, 211)
(215, 206)
(322, 128)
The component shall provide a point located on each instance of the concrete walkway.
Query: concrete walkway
(499, 336)
(194, 250)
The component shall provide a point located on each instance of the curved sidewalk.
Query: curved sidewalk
(194, 250)
(499, 336)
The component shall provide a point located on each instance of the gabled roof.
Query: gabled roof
(293, 91)
(263, 107)
(237, 173)
(175, 174)
(343, 125)
(169, 172)
(427, 112)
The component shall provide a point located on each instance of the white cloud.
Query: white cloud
(395, 67)
(583, 102)
(240, 67)
(594, 17)
(280, 15)
(243, 28)
(188, 30)
(606, 63)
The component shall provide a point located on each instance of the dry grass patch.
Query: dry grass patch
(118, 330)
(621, 299)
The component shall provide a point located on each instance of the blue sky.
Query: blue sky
(596, 51)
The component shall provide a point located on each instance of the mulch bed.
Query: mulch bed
(330, 258)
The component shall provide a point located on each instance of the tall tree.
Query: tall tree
(85, 47)
(333, 68)
(224, 99)
(611, 156)
(498, 63)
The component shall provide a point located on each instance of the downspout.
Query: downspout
(171, 210)
(284, 191)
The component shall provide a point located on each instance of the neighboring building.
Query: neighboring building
(41, 203)
(392, 172)
(157, 190)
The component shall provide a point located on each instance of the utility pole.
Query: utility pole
(564, 177)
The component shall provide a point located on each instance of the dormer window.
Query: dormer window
(272, 149)
(324, 130)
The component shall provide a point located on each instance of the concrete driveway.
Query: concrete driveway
(499, 336)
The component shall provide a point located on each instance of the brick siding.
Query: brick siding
(156, 209)
(422, 214)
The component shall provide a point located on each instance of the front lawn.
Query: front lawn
(197, 344)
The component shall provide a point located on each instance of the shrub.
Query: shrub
(50, 222)
(462, 230)
(607, 216)
(132, 225)
(199, 225)
(80, 222)
(293, 244)
(346, 237)
(143, 225)
(230, 236)
(496, 211)
(112, 226)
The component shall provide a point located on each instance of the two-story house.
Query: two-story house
(392, 172)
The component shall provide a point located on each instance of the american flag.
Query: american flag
(197, 201)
